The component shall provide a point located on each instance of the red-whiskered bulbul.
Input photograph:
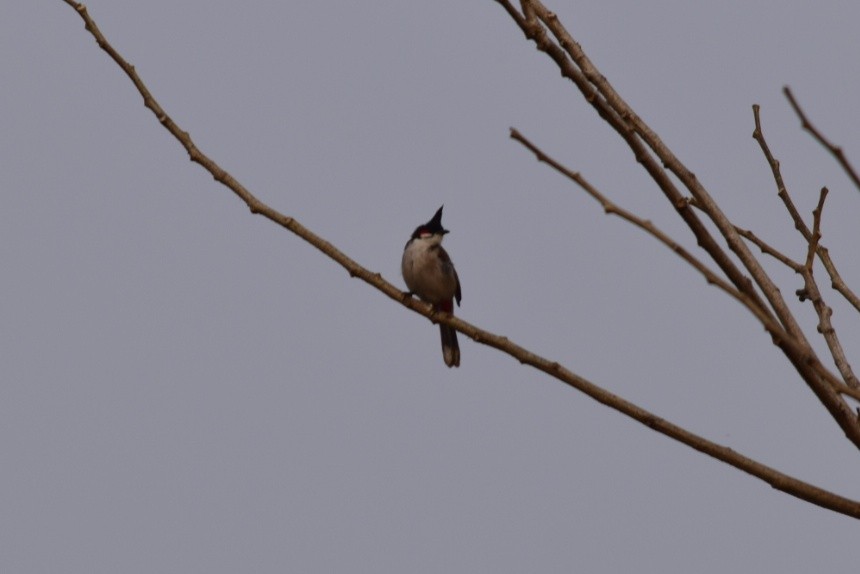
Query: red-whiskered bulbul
(429, 273)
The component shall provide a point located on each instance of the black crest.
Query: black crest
(435, 224)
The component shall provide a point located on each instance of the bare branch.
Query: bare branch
(512, 12)
(835, 150)
(836, 280)
(813, 293)
(769, 250)
(611, 208)
(645, 145)
(815, 238)
(825, 327)
(776, 479)
(782, 192)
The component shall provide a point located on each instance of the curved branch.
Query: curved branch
(609, 207)
(776, 479)
(767, 249)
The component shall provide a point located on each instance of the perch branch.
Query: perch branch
(776, 479)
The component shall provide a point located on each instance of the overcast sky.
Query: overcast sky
(187, 387)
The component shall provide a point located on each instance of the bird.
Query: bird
(429, 273)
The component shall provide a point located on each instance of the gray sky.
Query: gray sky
(189, 388)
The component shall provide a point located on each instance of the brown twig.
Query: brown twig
(769, 250)
(782, 192)
(776, 479)
(825, 327)
(824, 312)
(611, 208)
(834, 150)
(836, 281)
(815, 238)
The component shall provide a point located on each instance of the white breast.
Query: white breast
(427, 272)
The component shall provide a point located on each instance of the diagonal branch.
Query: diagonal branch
(782, 192)
(824, 312)
(835, 150)
(776, 479)
(815, 239)
(767, 249)
(610, 208)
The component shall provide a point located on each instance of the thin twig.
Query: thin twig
(780, 481)
(834, 150)
(512, 12)
(813, 293)
(769, 250)
(836, 281)
(828, 332)
(816, 231)
(610, 208)
(782, 192)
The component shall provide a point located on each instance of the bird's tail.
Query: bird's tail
(450, 347)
